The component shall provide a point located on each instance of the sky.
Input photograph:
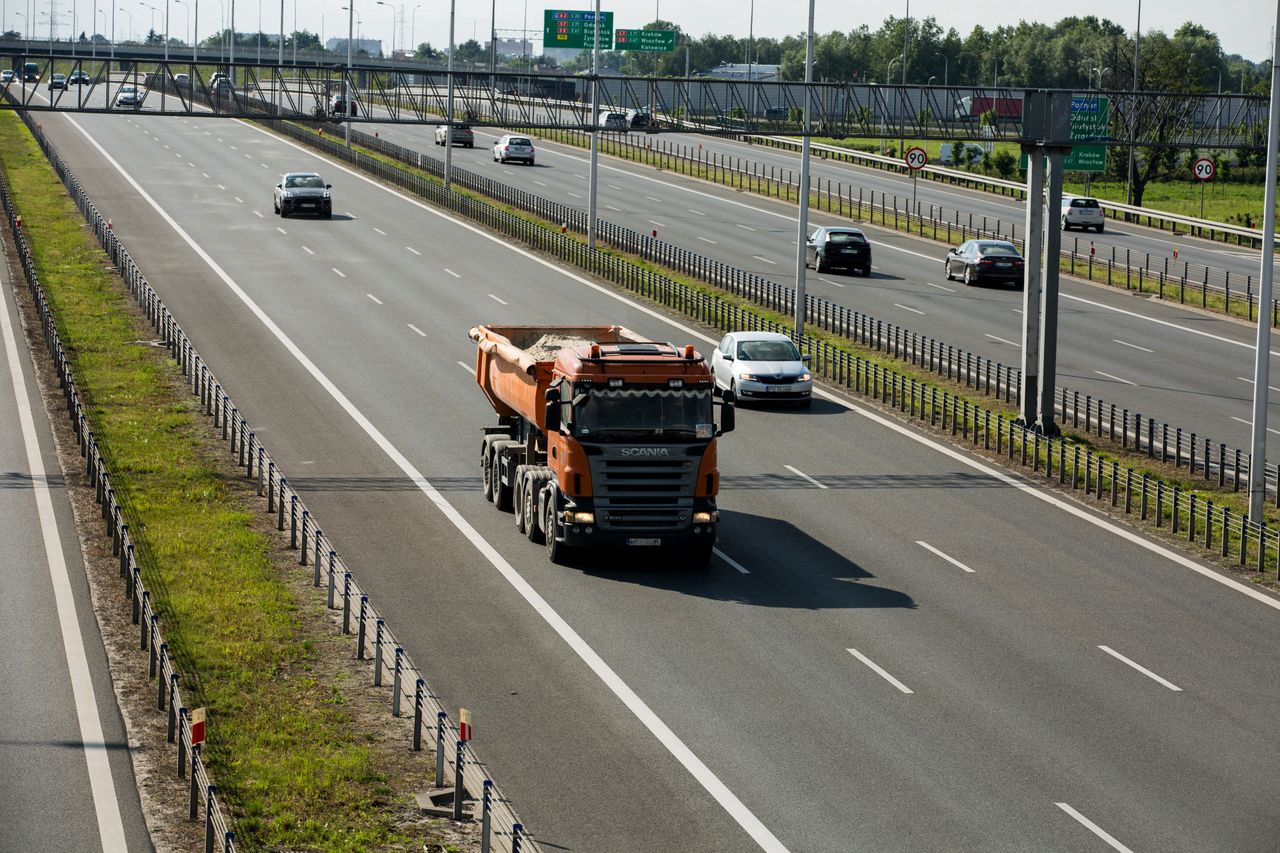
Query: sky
(1240, 32)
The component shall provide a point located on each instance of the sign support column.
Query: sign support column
(1049, 291)
(1031, 287)
(595, 130)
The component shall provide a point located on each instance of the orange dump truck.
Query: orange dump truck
(603, 438)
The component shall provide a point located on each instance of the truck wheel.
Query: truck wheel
(518, 496)
(532, 487)
(486, 451)
(501, 492)
(557, 552)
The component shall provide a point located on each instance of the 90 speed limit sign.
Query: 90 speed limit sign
(916, 158)
(1203, 169)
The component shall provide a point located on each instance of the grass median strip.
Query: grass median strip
(285, 748)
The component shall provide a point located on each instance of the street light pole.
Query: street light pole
(595, 128)
(280, 64)
(1133, 159)
(448, 117)
(413, 28)
(946, 70)
(802, 227)
(347, 100)
(1262, 347)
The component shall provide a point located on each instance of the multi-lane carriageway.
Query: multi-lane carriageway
(899, 647)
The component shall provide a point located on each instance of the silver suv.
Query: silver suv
(1082, 213)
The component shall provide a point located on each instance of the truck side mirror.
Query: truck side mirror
(551, 417)
(727, 416)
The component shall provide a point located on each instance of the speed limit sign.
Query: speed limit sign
(1203, 169)
(916, 158)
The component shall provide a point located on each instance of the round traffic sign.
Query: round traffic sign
(916, 158)
(1203, 169)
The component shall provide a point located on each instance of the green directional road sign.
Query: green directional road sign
(573, 28)
(1088, 121)
(653, 40)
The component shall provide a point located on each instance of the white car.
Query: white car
(127, 97)
(512, 147)
(1082, 213)
(762, 366)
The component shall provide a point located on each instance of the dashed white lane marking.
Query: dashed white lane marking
(452, 273)
(1094, 828)
(908, 308)
(878, 670)
(411, 249)
(611, 207)
(101, 784)
(308, 251)
(192, 165)
(374, 298)
(940, 287)
(421, 333)
(705, 240)
(1132, 346)
(220, 186)
(499, 300)
(349, 214)
(656, 222)
(1250, 381)
(204, 174)
(233, 148)
(800, 473)
(952, 560)
(264, 165)
(237, 198)
(829, 281)
(1116, 378)
(380, 231)
(259, 215)
(541, 183)
(1003, 340)
(696, 212)
(1142, 669)
(339, 272)
(654, 198)
(281, 230)
(613, 187)
(575, 195)
(1250, 425)
(470, 368)
(508, 171)
(743, 227)
(765, 260)
(722, 555)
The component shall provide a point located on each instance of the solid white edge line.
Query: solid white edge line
(101, 783)
(1094, 828)
(1142, 669)
(800, 473)
(722, 555)
(952, 560)
(728, 800)
(878, 670)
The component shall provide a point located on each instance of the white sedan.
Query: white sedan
(762, 366)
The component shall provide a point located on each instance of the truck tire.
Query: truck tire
(486, 452)
(502, 493)
(518, 496)
(534, 482)
(557, 552)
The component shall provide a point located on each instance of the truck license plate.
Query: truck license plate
(637, 541)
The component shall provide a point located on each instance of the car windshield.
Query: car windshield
(1003, 250)
(1084, 202)
(462, 127)
(518, 140)
(314, 182)
(635, 411)
(845, 237)
(768, 351)
(128, 90)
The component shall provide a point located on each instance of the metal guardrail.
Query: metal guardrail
(1078, 467)
(988, 377)
(501, 828)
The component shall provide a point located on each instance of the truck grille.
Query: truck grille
(643, 492)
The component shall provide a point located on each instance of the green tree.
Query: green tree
(471, 51)
(1005, 164)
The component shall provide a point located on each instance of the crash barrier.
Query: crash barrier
(457, 765)
(1159, 440)
(1162, 276)
(160, 665)
(1076, 466)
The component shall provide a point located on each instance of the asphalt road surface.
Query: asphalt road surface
(68, 781)
(899, 648)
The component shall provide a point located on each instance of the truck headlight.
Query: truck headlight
(705, 517)
(572, 517)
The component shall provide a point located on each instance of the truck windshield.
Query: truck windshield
(630, 412)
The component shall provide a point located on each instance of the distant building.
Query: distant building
(373, 47)
(741, 71)
(514, 47)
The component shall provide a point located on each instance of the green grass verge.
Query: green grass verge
(282, 748)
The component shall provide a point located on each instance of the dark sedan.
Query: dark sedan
(303, 192)
(985, 260)
(838, 248)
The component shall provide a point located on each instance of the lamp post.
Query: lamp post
(129, 32)
(346, 103)
(995, 74)
(413, 27)
(448, 116)
(1133, 130)
(802, 227)
(166, 30)
(946, 69)
(393, 25)
(231, 43)
(280, 61)
(26, 26)
(154, 10)
(186, 19)
(888, 73)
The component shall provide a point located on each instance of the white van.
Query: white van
(611, 120)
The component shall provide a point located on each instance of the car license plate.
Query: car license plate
(307, 204)
(638, 541)
(777, 389)
(1002, 263)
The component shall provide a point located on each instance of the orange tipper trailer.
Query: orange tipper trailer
(603, 438)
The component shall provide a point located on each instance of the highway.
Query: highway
(902, 648)
(1187, 368)
(68, 777)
